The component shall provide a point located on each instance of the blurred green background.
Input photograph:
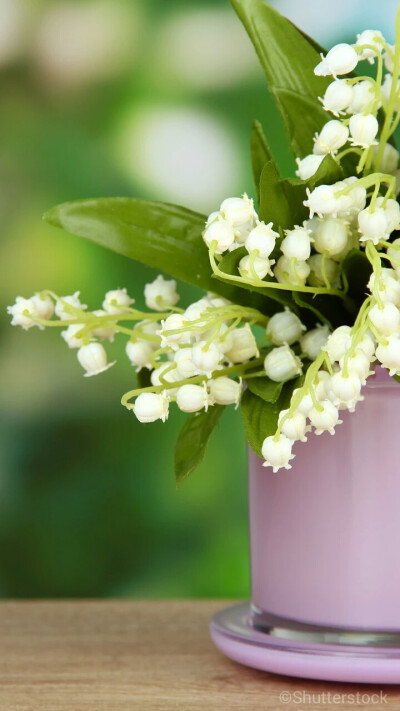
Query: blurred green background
(101, 98)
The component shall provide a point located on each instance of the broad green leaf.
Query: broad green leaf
(281, 201)
(260, 418)
(163, 236)
(288, 59)
(270, 297)
(310, 303)
(260, 154)
(328, 172)
(191, 445)
(265, 388)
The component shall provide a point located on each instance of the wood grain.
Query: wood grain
(141, 656)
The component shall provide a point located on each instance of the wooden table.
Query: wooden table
(143, 656)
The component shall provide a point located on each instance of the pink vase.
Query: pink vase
(325, 553)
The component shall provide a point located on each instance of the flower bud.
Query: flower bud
(341, 59)
(70, 335)
(326, 419)
(344, 389)
(175, 322)
(312, 341)
(308, 166)
(387, 289)
(192, 398)
(386, 318)
(338, 343)
(225, 391)
(282, 364)
(284, 328)
(359, 364)
(388, 354)
(330, 236)
(161, 375)
(322, 200)
(206, 357)
(222, 233)
(338, 96)
(196, 310)
(330, 269)
(371, 38)
(139, 353)
(293, 427)
(117, 301)
(260, 266)
(290, 271)
(390, 158)
(305, 403)
(297, 244)
(357, 195)
(93, 359)
(244, 345)
(184, 363)
(238, 211)
(373, 225)
(150, 407)
(24, 311)
(262, 238)
(277, 452)
(392, 212)
(367, 345)
(161, 294)
(61, 308)
(332, 136)
(363, 130)
(363, 95)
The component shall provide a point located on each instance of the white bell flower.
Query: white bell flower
(262, 238)
(338, 343)
(139, 354)
(392, 212)
(218, 302)
(386, 89)
(294, 427)
(343, 388)
(222, 233)
(338, 96)
(24, 311)
(288, 271)
(367, 345)
(93, 359)
(161, 294)
(330, 236)
(373, 38)
(390, 158)
(184, 363)
(206, 357)
(70, 335)
(277, 452)
(104, 333)
(323, 201)
(363, 96)
(386, 318)
(174, 322)
(357, 195)
(225, 391)
(261, 267)
(313, 341)
(388, 354)
(321, 385)
(333, 135)
(308, 166)
(374, 225)
(284, 328)
(238, 211)
(150, 407)
(196, 310)
(326, 419)
(305, 403)
(160, 374)
(330, 269)
(341, 59)
(117, 301)
(359, 364)
(243, 345)
(61, 310)
(297, 244)
(282, 364)
(192, 398)
(387, 289)
(363, 130)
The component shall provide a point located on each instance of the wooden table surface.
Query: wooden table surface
(144, 656)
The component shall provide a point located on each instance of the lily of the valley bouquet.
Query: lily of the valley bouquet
(301, 290)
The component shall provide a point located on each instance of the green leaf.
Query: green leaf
(288, 59)
(328, 172)
(357, 270)
(191, 445)
(163, 236)
(260, 418)
(265, 388)
(281, 201)
(260, 154)
(229, 264)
